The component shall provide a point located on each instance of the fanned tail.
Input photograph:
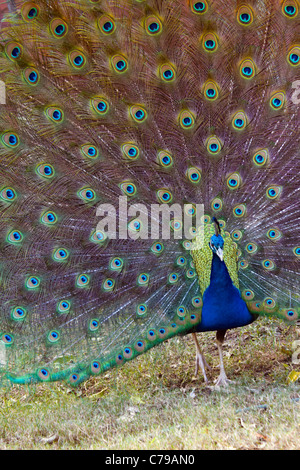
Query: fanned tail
(161, 103)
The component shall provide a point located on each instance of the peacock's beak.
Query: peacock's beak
(220, 253)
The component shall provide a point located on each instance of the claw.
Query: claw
(223, 381)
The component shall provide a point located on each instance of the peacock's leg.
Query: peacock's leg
(222, 379)
(200, 359)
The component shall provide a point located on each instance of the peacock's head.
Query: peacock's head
(216, 243)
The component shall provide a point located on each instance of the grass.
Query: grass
(155, 403)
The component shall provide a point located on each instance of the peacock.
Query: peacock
(149, 178)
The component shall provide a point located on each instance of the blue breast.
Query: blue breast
(223, 307)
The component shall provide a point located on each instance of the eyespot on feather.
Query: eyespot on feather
(243, 264)
(210, 90)
(135, 225)
(77, 59)
(10, 139)
(153, 25)
(45, 170)
(181, 261)
(129, 189)
(48, 218)
(108, 285)
(100, 105)
(63, 306)
(55, 114)
(293, 56)
(273, 192)
(245, 15)
(74, 379)
(119, 63)
(268, 264)
(43, 374)
(239, 121)
(31, 76)
(60, 254)
(190, 274)
(157, 248)
(234, 181)
(247, 294)
(173, 278)
(190, 209)
(140, 346)
(261, 157)
(247, 69)
(106, 24)
(32, 282)
(165, 159)
(94, 325)
(15, 237)
(236, 235)
(274, 234)
(18, 313)
(96, 368)
(58, 28)
(119, 359)
(138, 113)
(7, 339)
(186, 119)
(210, 42)
(251, 248)
(197, 302)
(194, 175)
(14, 50)
(162, 332)
(127, 353)
(290, 8)
(87, 194)
(269, 303)
(296, 251)
(213, 145)
(167, 73)
(194, 318)
(176, 225)
(152, 335)
(239, 210)
(98, 236)
(143, 279)
(116, 264)
(217, 204)
(198, 7)
(277, 100)
(82, 280)
(30, 11)
(130, 150)
(181, 311)
(89, 151)
(290, 314)
(164, 195)
(141, 310)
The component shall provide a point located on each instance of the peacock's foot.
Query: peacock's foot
(223, 381)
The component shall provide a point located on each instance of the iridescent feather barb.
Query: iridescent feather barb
(163, 102)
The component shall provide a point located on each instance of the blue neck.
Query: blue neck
(219, 275)
(223, 306)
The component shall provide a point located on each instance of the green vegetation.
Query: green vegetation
(154, 402)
